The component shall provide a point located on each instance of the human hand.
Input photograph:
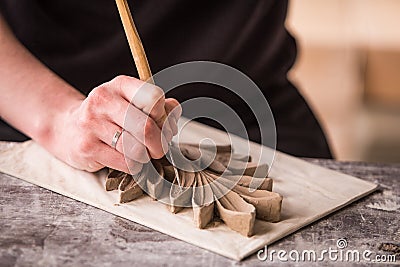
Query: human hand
(85, 132)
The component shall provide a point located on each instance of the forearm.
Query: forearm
(33, 98)
(78, 129)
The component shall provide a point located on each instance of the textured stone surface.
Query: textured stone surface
(39, 227)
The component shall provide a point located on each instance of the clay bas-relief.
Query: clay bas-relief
(220, 190)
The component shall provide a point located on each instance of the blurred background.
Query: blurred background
(348, 69)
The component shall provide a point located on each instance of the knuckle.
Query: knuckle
(150, 128)
(157, 94)
(173, 102)
(85, 148)
(99, 95)
(120, 79)
(141, 153)
(87, 119)
(178, 111)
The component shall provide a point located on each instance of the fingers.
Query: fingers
(172, 105)
(102, 104)
(94, 155)
(146, 131)
(108, 109)
(110, 157)
(174, 111)
(126, 144)
(129, 146)
(146, 97)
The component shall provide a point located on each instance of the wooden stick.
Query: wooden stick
(137, 50)
(139, 56)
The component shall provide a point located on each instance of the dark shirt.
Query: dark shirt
(84, 43)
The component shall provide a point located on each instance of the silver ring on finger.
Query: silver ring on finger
(115, 138)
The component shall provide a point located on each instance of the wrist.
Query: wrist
(53, 124)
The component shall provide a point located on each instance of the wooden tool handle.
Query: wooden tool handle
(137, 50)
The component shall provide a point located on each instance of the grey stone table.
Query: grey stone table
(42, 228)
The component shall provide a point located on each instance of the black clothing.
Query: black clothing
(86, 46)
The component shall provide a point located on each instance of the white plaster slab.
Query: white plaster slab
(310, 192)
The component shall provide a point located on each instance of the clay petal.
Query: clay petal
(181, 197)
(247, 181)
(218, 167)
(155, 181)
(264, 183)
(208, 192)
(238, 218)
(207, 158)
(268, 204)
(224, 158)
(185, 158)
(169, 173)
(238, 207)
(246, 158)
(114, 178)
(248, 168)
(129, 189)
(190, 152)
(235, 212)
(218, 161)
(227, 163)
(202, 213)
(218, 148)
